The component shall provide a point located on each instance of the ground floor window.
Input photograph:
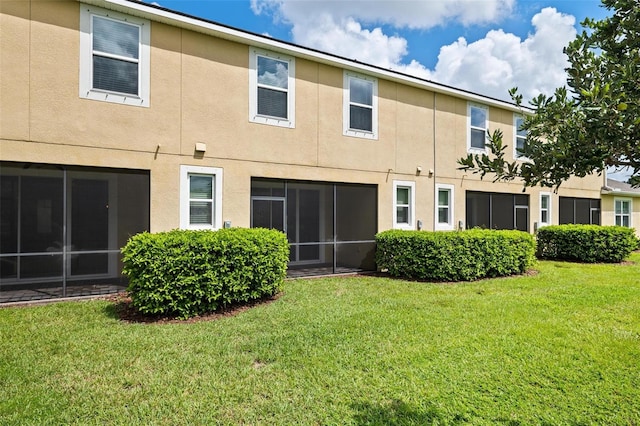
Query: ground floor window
(623, 212)
(444, 207)
(62, 227)
(585, 211)
(404, 193)
(545, 209)
(497, 210)
(200, 197)
(331, 227)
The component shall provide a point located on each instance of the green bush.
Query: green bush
(585, 243)
(454, 256)
(188, 273)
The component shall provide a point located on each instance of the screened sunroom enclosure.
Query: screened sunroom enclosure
(62, 227)
(331, 227)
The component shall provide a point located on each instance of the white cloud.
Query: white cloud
(347, 38)
(273, 73)
(500, 61)
(422, 14)
(489, 66)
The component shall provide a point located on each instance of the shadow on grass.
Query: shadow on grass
(122, 309)
(111, 311)
(400, 413)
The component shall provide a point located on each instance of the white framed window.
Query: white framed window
(404, 195)
(477, 124)
(519, 137)
(623, 208)
(444, 207)
(360, 106)
(545, 209)
(271, 88)
(200, 197)
(114, 57)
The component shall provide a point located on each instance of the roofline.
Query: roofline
(619, 193)
(194, 23)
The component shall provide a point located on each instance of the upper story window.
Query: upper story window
(272, 88)
(519, 136)
(623, 212)
(478, 119)
(114, 57)
(360, 115)
(444, 207)
(403, 204)
(200, 197)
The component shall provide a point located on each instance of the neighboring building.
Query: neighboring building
(119, 117)
(621, 205)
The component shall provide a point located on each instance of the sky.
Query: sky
(485, 46)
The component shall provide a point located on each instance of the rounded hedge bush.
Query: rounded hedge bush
(586, 243)
(187, 273)
(454, 256)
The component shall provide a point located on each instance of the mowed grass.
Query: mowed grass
(558, 347)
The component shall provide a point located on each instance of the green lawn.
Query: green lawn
(558, 347)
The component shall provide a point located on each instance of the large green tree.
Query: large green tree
(592, 124)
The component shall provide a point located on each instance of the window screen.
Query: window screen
(478, 120)
(360, 104)
(273, 84)
(579, 210)
(116, 54)
(201, 199)
(521, 135)
(443, 205)
(497, 210)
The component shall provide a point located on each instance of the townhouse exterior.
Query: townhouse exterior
(620, 204)
(119, 117)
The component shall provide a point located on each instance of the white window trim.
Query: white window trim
(438, 226)
(254, 117)
(486, 127)
(346, 120)
(615, 215)
(412, 204)
(86, 58)
(185, 171)
(517, 156)
(549, 209)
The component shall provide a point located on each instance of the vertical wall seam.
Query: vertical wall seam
(29, 71)
(435, 169)
(318, 115)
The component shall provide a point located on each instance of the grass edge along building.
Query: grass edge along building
(120, 116)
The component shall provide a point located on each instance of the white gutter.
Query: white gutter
(159, 14)
(611, 191)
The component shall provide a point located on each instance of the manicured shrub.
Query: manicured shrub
(585, 243)
(454, 256)
(188, 273)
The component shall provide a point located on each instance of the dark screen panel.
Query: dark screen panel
(502, 212)
(356, 211)
(583, 211)
(477, 210)
(566, 210)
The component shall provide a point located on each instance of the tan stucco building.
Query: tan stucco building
(119, 117)
(620, 204)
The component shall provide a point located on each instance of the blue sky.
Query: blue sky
(486, 46)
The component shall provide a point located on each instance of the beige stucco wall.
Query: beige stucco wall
(200, 94)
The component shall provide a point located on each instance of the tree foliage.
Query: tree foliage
(589, 126)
